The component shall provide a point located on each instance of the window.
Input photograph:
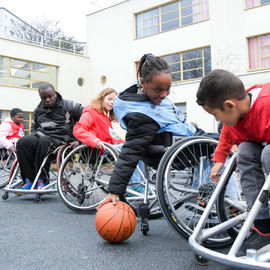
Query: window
(256, 3)
(171, 16)
(21, 73)
(190, 64)
(259, 52)
(26, 119)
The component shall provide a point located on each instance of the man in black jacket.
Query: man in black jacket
(52, 125)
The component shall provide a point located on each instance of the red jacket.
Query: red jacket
(254, 127)
(94, 127)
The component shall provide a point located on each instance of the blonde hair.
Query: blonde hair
(97, 103)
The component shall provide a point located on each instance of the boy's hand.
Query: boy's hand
(110, 198)
(100, 145)
(73, 144)
(215, 171)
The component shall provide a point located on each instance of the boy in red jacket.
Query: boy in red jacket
(11, 130)
(246, 121)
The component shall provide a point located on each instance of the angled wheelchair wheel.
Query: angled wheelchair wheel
(63, 151)
(6, 161)
(184, 187)
(84, 176)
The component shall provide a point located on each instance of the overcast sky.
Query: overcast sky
(71, 14)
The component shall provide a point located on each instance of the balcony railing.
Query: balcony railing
(42, 40)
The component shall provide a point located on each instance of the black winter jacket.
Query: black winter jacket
(141, 132)
(57, 121)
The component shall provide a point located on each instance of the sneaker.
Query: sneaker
(256, 240)
(27, 186)
(135, 187)
(41, 184)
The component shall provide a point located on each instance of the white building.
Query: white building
(25, 64)
(194, 36)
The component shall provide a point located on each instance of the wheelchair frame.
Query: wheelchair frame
(253, 259)
(15, 181)
(80, 178)
(184, 188)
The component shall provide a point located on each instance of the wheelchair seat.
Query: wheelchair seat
(156, 149)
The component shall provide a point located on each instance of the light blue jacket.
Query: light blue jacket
(166, 114)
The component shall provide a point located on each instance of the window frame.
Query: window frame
(203, 17)
(257, 4)
(181, 62)
(52, 73)
(259, 52)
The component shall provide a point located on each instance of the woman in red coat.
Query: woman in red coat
(95, 124)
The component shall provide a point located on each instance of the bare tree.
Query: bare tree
(46, 32)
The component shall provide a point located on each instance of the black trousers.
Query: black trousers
(31, 150)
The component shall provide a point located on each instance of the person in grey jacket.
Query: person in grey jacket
(52, 125)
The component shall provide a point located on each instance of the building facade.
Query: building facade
(193, 36)
(24, 64)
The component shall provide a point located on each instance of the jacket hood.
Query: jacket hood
(130, 94)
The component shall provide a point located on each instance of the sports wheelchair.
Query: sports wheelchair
(236, 221)
(184, 188)
(83, 183)
(15, 182)
(6, 161)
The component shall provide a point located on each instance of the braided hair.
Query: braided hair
(15, 111)
(151, 65)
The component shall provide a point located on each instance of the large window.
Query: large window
(171, 16)
(259, 52)
(21, 73)
(189, 65)
(26, 119)
(255, 3)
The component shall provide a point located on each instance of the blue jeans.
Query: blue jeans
(233, 189)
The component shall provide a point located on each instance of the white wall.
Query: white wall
(113, 49)
(70, 68)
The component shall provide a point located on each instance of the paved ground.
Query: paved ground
(48, 235)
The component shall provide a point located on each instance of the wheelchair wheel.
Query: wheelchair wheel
(184, 187)
(84, 176)
(6, 161)
(63, 151)
(15, 175)
(231, 201)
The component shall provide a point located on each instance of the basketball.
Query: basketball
(115, 223)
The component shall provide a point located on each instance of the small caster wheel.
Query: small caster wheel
(144, 228)
(201, 260)
(38, 198)
(5, 196)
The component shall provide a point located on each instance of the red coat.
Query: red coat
(254, 127)
(94, 127)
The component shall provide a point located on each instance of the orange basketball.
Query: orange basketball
(115, 223)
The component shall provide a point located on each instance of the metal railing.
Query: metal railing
(42, 40)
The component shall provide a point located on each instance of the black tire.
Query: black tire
(181, 197)
(84, 176)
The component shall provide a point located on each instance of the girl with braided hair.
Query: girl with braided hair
(145, 112)
(11, 130)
